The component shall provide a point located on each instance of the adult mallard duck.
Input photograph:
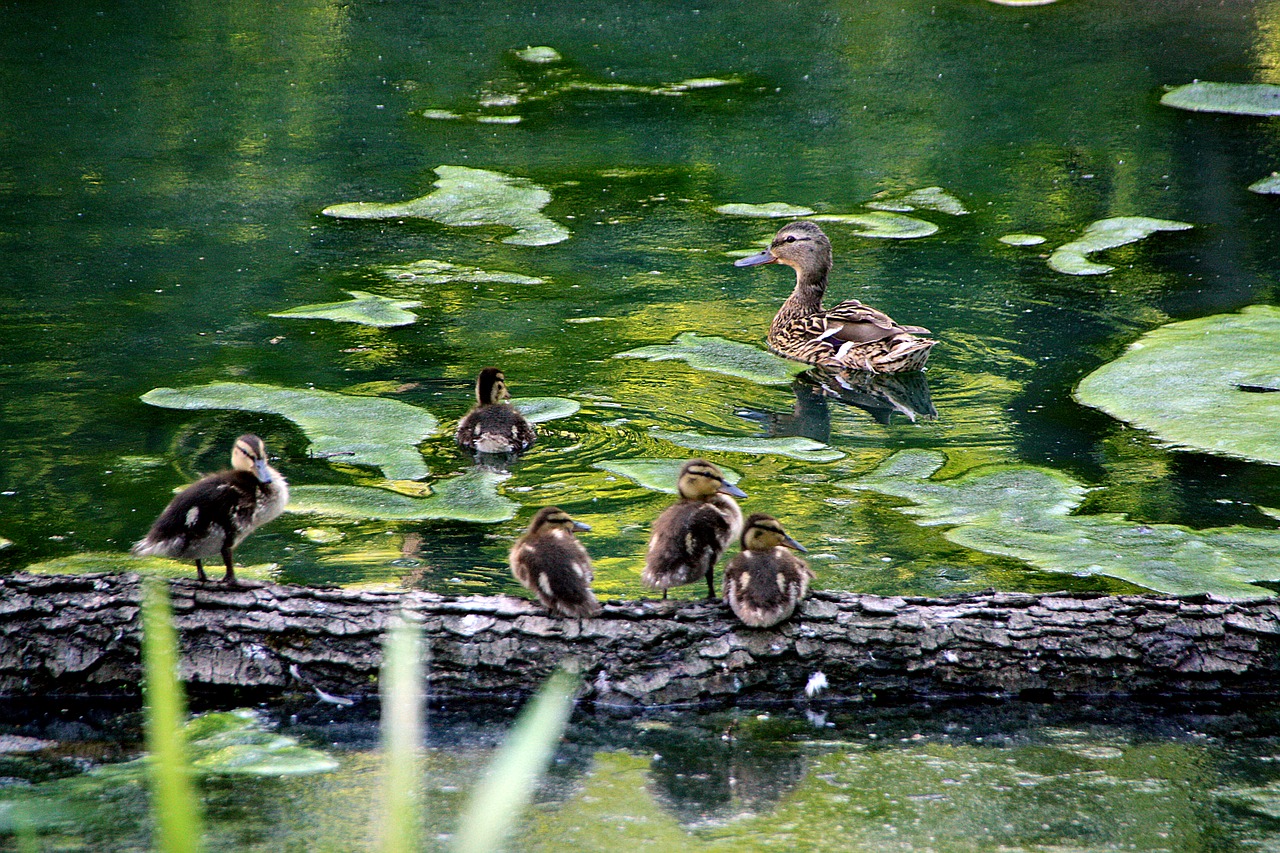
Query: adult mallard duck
(848, 336)
(492, 426)
(689, 537)
(551, 563)
(765, 582)
(213, 515)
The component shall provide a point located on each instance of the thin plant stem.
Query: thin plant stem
(402, 731)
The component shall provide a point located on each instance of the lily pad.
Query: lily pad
(882, 225)
(430, 271)
(1069, 258)
(928, 198)
(1022, 239)
(1024, 512)
(720, 355)
(119, 562)
(470, 496)
(1246, 99)
(1269, 185)
(365, 308)
(658, 475)
(469, 197)
(771, 210)
(538, 410)
(370, 431)
(797, 448)
(539, 55)
(1189, 383)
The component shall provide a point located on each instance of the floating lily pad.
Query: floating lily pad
(1189, 383)
(469, 197)
(883, 225)
(430, 271)
(365, 308)
(1070, 259)
(793, 446)
(772, 210)
(928, 198)
(120, 562)
(1022, 239)
(1269, 185)
(539, 55)
(470, 496)
(720, 355)
(1024, 512)
(538, 410)
(657, 474)
(1248, 99)
(370, 431)
(440, 115)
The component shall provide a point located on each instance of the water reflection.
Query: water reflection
(881, 395)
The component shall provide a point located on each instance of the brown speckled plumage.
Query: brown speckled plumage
(689, 537)
(550, 562)
(764, 583)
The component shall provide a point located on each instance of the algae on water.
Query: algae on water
(372, 431)
(1249, 99)
(1070, 258)
(720, 355)
(1200, 384)
(432, 271)
(470, 496)
(469, 197)
(1025, 512)
(794, 446)
(365, 308)
(659, 475)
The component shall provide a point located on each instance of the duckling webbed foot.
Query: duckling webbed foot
(200, 575)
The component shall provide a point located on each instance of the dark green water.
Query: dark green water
(163, 169)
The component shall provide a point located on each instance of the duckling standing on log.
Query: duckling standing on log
(848, 336)
(550, 562)
(212, 516)
(493, 426)
(765, 582)
(689, 537)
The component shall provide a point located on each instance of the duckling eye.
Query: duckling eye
(790, 239)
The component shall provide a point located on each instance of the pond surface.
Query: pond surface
(165, 169)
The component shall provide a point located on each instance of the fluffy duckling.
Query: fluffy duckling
(550, 562)
(765, 582)
(212, 516)
(689, 537)
(492, 426)
(848, 336)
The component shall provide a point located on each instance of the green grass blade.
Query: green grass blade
(402, 700)
(174, 802)
(502, 795)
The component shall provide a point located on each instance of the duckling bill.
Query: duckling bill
(766, 581)
(689, 537)
(848, 336)
(213, 515)
(550, 562)
(493, 426)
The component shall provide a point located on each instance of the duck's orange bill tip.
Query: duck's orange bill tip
(764, 257)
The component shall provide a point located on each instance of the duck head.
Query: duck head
(801, 245)
(763, 532)
(250, 454)
(699, 480)
(491, 387)
(551, 518)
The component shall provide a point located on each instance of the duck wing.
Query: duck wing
(853, 322)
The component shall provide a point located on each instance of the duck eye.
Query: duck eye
(790, 239)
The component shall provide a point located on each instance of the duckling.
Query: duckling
(550, 562)
(212, 516)
(492, 426)
(689, 537)
(849, 336)
(765, 582)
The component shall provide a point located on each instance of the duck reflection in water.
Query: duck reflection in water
(881, 395)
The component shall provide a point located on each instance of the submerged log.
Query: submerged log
(79, 635)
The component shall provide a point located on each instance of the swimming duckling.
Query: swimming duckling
(492, 426)
(765, 582)
(848, 336)
(689, 537)
(213, 515)
(550, 562)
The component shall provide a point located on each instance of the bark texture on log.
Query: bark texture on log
(79, 635)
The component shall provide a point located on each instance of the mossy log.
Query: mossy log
(78, 635)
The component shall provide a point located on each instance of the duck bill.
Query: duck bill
(794, 545)
(579, 525)
(261, 471)
(731, 489)
(765, 257)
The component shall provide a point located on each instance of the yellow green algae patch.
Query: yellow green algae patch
(367, 309)
(720, 355)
